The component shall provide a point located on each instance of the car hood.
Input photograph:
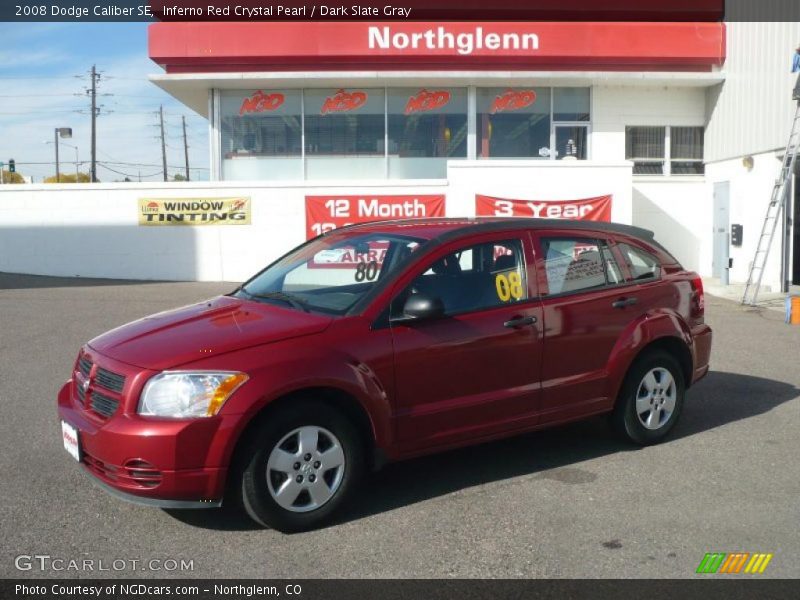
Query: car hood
(210, 328)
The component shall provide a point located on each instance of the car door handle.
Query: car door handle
(520, 322)
(623, 302)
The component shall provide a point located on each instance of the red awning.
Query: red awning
(256, 46)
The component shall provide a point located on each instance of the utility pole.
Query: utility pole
(185, 147)
(93, 93)
(163, 142)
(58, 170)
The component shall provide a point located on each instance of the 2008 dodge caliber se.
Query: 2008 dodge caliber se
(380, 342)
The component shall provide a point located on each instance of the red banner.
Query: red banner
(586, 209)
(324, 213)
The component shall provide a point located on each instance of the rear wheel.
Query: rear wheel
(300, 467)
(651, 399)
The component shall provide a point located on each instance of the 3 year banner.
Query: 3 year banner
(586, 209)
(325, 213)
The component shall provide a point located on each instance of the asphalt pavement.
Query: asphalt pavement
(569, 502)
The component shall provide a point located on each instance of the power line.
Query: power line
(109, 162)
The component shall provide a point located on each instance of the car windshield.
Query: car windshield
(331, 273)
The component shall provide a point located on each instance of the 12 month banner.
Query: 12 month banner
(194, 211)
(325, 213)
(585, 209)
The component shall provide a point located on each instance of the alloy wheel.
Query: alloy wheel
(305, 468)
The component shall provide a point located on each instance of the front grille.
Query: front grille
(136, 473)
(110, 381)
(84, 365)
(103, 405)
(81, 393)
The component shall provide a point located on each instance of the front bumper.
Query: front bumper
(167, 463)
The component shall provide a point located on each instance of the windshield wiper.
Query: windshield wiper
(290, 299)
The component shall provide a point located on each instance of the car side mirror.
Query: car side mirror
(421, 306)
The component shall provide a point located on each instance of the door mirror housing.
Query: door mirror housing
(421, 306)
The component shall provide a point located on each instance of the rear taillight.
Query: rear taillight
(698, 297)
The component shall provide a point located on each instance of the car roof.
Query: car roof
(445, 229)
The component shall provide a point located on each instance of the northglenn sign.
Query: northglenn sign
(252, 46)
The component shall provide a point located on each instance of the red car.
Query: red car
(380, 342)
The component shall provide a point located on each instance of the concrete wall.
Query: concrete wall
(93, 231)
(679, 211)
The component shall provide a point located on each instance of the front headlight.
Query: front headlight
(183, 394)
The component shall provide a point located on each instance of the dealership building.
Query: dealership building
(679, 126)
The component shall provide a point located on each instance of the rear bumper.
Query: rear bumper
(701, 351)
(167, 463)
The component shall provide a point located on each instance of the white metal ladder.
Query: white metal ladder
(777, 204)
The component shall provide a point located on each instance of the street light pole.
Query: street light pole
(64, 132)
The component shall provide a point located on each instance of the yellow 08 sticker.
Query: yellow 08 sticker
(508, 286)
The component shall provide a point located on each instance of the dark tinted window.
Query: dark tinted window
(476, 277)
(573, 264)
(641, 264)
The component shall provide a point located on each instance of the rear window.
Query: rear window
(641, 264)
(574, 264)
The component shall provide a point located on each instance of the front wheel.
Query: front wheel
(301, 467)
(651, 399)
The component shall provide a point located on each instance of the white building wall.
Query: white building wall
(751, 112)
(750, 192)
(679, 211)
(615, 107)
(93, 231)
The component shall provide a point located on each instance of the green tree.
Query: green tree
(9, 177)
(178, 177)
(69, 178)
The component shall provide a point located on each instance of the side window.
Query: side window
(573, 264)
(641, 264)
(613, 272)
(476, 277)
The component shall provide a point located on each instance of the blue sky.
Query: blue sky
(43, 77)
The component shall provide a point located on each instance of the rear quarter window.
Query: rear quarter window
(642, 264)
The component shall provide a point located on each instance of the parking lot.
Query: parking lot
(570, 502)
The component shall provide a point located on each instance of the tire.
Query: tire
(651, 399)
(300, 467)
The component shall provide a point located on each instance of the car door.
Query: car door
(586, 308)
(475, 371)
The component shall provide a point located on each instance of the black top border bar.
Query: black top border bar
(413, 10)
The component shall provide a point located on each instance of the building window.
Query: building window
(513, 122)
(686, 151)
(571, 104)
(345, 133)
(426, 128)
(548, 123)
(261, 133)
(665, 150)
(645, 147)
(406, 133)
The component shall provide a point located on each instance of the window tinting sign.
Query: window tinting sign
(194, 211)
